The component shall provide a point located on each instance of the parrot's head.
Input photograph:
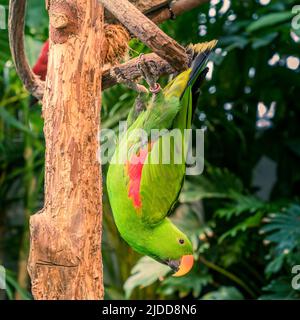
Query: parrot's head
(174, 249)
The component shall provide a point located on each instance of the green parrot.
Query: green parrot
(142, 188)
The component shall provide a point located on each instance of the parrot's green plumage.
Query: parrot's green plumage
(142, 192)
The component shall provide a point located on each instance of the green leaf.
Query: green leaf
(250, 222)
(234, 251)
(12, 121)
(270, 20)
(242, 204)
(283, 229)
(275, 265)
(233, 42)
(198, 194)
(113, 294)
(217, 183)
(280, 289)
(264, 41)
(192, 283)
(12, 282)
(224, 293)
(144, 273)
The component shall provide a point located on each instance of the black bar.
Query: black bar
(149, 309)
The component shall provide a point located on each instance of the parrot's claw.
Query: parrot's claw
(148, 71)
(155, 89)
(121, 78)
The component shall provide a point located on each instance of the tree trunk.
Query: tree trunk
(65, 256)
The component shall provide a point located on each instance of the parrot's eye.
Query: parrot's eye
(181, 241)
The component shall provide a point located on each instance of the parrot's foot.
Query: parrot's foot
(121, 78)
(149, 73)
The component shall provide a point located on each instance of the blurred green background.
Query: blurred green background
(242, 213)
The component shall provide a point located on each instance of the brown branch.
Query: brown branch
(145, 6)
(177, 7)
(131, 71)
(16, 39)
(149, 5)
(148, 32)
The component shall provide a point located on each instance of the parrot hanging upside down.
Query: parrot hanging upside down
(141, 193)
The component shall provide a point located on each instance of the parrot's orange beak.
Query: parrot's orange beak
(186, 264)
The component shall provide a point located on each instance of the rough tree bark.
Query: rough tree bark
(131, 71)
(145, 6)
(65, 255)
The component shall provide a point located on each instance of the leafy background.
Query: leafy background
(242, 213)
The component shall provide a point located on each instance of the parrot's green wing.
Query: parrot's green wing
(164, 170)
(160, 185)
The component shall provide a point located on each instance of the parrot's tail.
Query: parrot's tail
(201, 53)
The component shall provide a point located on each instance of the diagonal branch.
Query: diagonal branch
(148, 32)
(131, 71)
(16, 39)
(145, 6)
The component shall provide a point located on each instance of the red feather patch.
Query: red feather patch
(40, 68)
(134, 169)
